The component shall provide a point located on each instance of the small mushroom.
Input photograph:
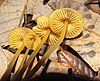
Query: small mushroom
(75, 22)
(32, 40)
(15, 38)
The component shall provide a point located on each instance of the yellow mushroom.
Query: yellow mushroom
(15, 38)
(75, 22)
(43, 24)
(62, 23)
(32, 40)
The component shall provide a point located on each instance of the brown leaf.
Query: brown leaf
(78, 66)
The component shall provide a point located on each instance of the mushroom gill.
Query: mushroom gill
(32, 40)
(16, 36)
(43, 24)
(72, 17)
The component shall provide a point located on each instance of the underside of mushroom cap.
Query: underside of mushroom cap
(32, 40)
(39, 32)
(52, 39)
(74, 19)
(16, 36)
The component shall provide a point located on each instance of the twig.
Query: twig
(26, 13)
(25, 8)
(97, 34)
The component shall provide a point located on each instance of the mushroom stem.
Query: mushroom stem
(21, 65)
(47, 54)
(11, 64)
(30, 59)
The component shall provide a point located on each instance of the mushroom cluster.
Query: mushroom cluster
(53, 23)
(62, 23)
(43, 24)
(26, 36)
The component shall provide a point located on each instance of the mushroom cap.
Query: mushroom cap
(43, 22)
(31, 40)
(16, 36)
(53, 38)
(39, 32)
(74, 19)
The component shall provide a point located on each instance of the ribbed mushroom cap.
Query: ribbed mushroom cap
(16, 36)
(52, 38)
(31, 40)
(43, 22)
(39, 32)
(43, 25)
(74, 19)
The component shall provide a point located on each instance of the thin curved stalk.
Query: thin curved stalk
(29, 67)
(23, 12)
(97, 34)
